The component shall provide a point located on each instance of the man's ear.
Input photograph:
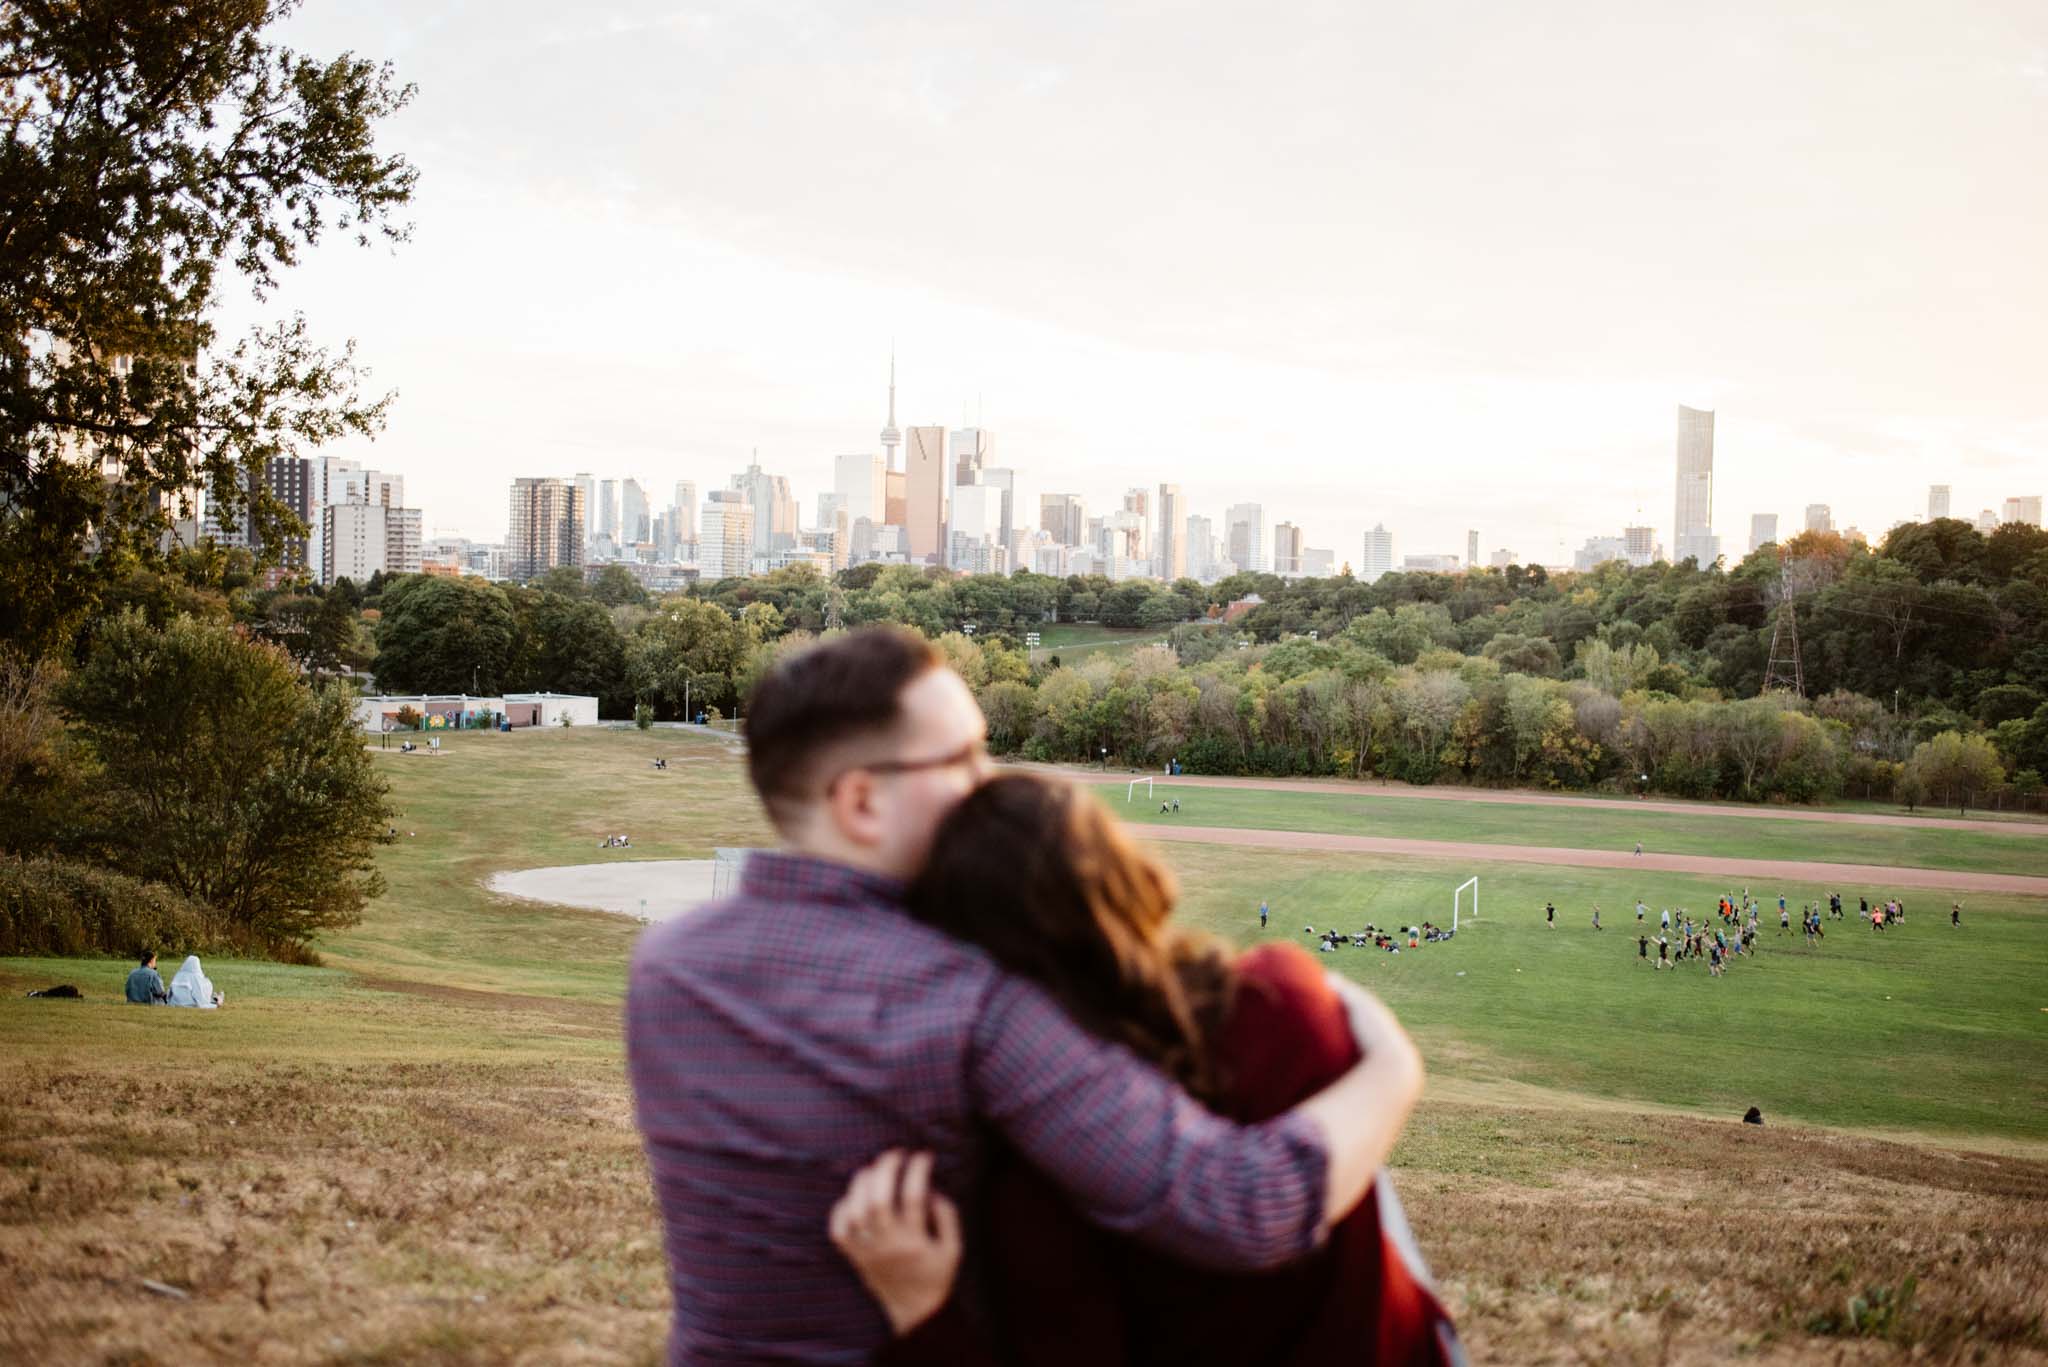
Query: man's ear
(853, 807)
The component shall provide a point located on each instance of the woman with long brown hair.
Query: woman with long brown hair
(1039, 875)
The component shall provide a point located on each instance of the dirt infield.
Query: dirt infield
(1761, 870)
(1518, 798)
(646, 889)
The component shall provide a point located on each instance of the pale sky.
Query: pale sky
(1442, 266)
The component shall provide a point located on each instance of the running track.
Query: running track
(1874, 877)
(1618, 806)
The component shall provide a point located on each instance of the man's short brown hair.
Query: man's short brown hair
(816, 699)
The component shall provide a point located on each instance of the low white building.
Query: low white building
(456, 711)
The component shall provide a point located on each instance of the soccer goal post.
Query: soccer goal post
(1132, 791)
(1458, 899)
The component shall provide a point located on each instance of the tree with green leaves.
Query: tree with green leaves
(1954, 768)
(156, 155)
(687, 655)
(225, 776)
(440, 635)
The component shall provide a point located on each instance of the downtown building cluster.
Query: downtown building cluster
(932, 496)
(935, 496)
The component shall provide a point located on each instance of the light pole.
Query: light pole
(1105, 759)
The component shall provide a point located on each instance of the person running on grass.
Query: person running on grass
(1663, 951)
(1550, 916)
(1596, 918)
(1955, 914)
(1643, 947)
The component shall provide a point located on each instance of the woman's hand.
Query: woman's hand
(901, 1236)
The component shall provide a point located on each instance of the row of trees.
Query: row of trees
(1339, 709)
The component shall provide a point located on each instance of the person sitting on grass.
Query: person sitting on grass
(191, 987)
(145, 985)
(1088, 918)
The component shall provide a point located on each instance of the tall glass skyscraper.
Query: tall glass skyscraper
(1692, 528)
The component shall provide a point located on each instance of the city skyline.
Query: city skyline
(595, 287)
(949, 458)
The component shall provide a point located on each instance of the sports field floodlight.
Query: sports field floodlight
(1132, 791)
(1458, 897)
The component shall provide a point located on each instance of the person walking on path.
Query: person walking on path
(1639, 849)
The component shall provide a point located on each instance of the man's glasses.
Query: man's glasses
(974, 752)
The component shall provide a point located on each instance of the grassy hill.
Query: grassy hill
(424, 1151)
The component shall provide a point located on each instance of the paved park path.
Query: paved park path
(1876, 877)
(1512, 798)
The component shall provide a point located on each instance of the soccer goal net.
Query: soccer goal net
(1458, 901)
(1132, 791)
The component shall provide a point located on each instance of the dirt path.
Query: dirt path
(1876, 876)
(1521, 798)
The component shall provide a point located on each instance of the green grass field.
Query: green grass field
(423, 1152)
(1074, 642)
(1919, 1028)
(1585, 828)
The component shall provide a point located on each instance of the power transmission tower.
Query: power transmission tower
(1784, 670)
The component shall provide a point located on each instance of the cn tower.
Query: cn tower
(891, 438)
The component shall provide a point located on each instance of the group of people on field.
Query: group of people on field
(189, 986)
(1375, 937)
(1679, 937)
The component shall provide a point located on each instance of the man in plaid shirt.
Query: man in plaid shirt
(782, 1037)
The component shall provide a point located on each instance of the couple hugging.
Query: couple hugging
(954, 1010)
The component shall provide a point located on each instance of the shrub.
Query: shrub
(226, 778)
(643, 716)
(64, 908)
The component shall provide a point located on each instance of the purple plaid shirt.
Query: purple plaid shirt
(781, 1038)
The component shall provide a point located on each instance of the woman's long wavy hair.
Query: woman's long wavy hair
(1037, 873)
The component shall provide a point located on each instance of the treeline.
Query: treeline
(1627, 679)
(1617, 678)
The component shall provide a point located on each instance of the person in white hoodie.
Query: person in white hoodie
(191, 986)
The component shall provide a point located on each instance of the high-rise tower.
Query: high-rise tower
(1692, 532)
(891, 437)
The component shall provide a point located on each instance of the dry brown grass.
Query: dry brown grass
(460, 1212)
(1569, 1236)
(322, 1211)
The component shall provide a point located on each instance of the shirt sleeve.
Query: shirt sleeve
(1134, 1152)
(943, 1339)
